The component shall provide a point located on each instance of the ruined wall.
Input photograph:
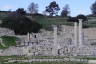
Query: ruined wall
(42, 43)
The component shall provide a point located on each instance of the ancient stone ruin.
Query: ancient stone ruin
(68, 40)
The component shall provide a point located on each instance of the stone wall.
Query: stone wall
(42, 43)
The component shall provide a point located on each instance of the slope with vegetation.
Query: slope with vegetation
(47, 22)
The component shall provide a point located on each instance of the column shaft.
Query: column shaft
(75, 33)
(55, 45)
(80, 32)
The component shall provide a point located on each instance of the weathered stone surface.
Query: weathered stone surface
(43, 43)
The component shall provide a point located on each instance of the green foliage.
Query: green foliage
(8, 41)
(2, 59)
(21, 11)
(33, 8)
(65, 11)
(46, 63)
(53, 8)
(72, 19)
(86, 57)
(20, 24)
(93, 8)
(81, 16)
(48, 22)
(2, 15)
(1, 47)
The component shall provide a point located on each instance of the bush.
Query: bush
(82, 17)
(20, 24)
(8, 41)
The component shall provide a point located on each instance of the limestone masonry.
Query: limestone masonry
(65, 40)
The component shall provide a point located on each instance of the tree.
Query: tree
(20, 24)
(84, 18)
(65, 11)
(76, 19)
(81, 16)
(21, 11)
(53, 8)
(72, 19)
(33, 8)
(93, 8)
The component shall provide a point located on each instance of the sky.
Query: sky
(76, 6)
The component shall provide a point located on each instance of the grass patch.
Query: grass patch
(32, 57)
(8, 41)
(48, 22)
(85, 57)
(47, 57)
(48, 63)
(6, 58)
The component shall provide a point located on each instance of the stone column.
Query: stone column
(80, 33)
(55, 34)
(55, 45)
(75, 33)
(28, 38)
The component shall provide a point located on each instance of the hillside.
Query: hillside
(47, 22)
